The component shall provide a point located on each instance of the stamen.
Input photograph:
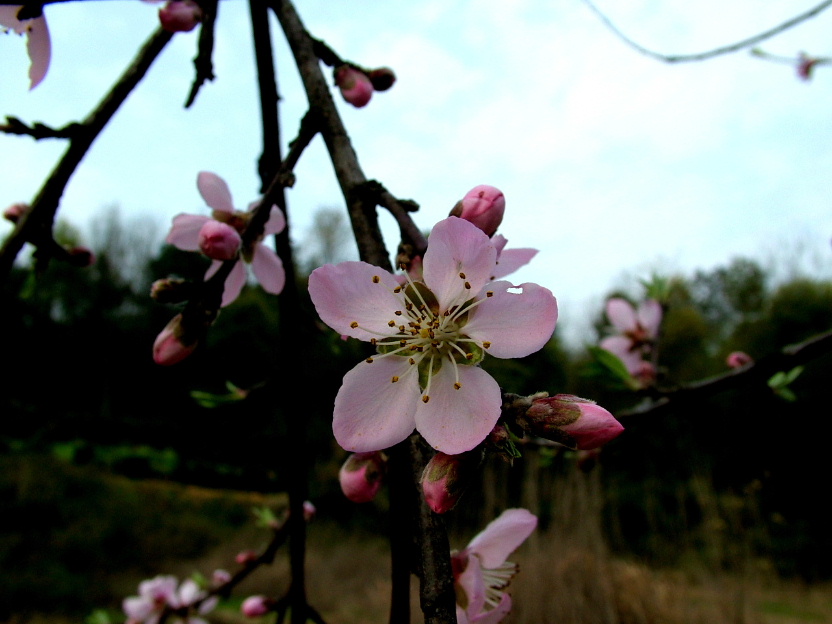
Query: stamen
(354, 324)
(376, 279)
(394, 379)
(369, 360)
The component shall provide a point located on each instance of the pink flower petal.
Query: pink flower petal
(510, 260)
(473, 584)
(276, 222)
(456, 246)
(345, 293)
(502, 536)
(516, 324)
(497, 614)
(137, 608)
(233, 283)
(620, 346)
(621, 314)
(214, 191)
(649, 316)
(371, 413)
(456, 420)
(184, 233)
(268, 269)
(39, 47)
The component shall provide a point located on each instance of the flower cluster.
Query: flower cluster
(481, 571)
(357, 85)
(637, 331)
(160, 595)
(38, 43)
(430, 336)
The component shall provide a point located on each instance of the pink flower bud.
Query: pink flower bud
(446, 477)
(738, 359)
(255, 606)
(362, 476)
(168, 349)
(483, 206)
(573, 421)
(219, 241)
(309, 511)
(180, 15)
(81, 256)
(14, 212)
(382, 78)
(245, 557)
(220, 577)
(355, 86)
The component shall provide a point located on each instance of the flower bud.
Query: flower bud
(309, 511)
(382, 78)
(575, 422)
(170, 290)
(255, 606)
(168, 349)
(483, 206)
(355, 86)
(180, 15)
(15, 211)
(220, 577)
(245, 557)
(219, 241)
(362, 476)
(738, 359)
(446, 477)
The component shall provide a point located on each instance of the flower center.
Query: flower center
(429, 337)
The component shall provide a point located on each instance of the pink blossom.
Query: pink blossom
(583, 421)
(481, 571)
(430, 336)
(382, 78)
(356, 87)
(738, 359)
(160, 593)
(483, 206)
(267, 267)
(309, 511)
(180, 15)
(15, 211)
(446, 477)
(637, 331)
(169, 348)
(255, 606)
(362, 475)
(245, 557)
(38, 44)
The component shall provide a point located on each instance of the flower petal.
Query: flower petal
(371, 413)
(233, 283)
(276, 222)
(620, 346)
(472, 583)
(268, 269)
(497, 614)
(621, 314)
(456, 247)
(512, 259)
(516, 324)
(214, 191)
(502, 536)
(649, 316)
(39, 48)
(345, 293)
(184, 233)
(137, 608)
(456, 420)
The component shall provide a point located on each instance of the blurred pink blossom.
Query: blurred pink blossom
(161, 593)
(430, 336)
(219, 241)
(738, 359)
(255, 606)
(168, 348)
(362, 475)
(356, 87)
(38, 44)
(180, 15)
(481, 571)
(637, 331)
(267, 267)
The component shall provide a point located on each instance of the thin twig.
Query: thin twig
(701, 56)
(205, 49)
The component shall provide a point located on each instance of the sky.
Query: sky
(614, 165)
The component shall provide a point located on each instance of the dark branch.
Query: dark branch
(40, 131)
(205, 49)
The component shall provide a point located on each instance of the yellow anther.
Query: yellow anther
(411, 360)
(490, 293)
(369, 360)
(394, 379)
(354, 324)
(457, 385)
(462, 275)
(468, 285)
(398, 312)
(391, 323)
(486, 344)
(425, 398)
(376, 279)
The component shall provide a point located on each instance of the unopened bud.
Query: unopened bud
(362, 476)
(575, 422)
(15, 211)
(180, 15)
(255, 606)
(382, 78)
(170, 290)
(738, 359)
(483, 206)
(81, 256)
(354, 84)
(245, 557)
(309, 511)
(219, 241)
(168, 349)
(446, 477)
(220, 577)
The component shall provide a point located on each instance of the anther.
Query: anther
(398, 312)
(468, 285)
(425, 398)
(457, 385)
(489, 293)
(391, 323)
(376, 279)
(354, 324)
(462, 275)
(397, 289)
(394, 379)
(486, 344)
(369, 360)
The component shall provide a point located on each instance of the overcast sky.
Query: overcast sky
(613, 164)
